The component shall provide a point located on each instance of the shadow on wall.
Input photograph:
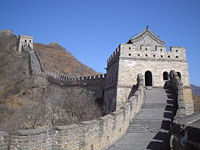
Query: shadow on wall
(163, 137)
(133, 89)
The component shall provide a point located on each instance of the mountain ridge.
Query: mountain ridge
(59, 60)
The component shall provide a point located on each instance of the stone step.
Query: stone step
(154, 105)
(149, 87)
(148, 126)
(148, 122)
(147, 129)
(144, 129)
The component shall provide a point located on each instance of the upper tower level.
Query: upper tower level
(149, 46)
(25, 40)
(146, 40)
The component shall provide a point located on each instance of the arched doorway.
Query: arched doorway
(179, 74)
(148, 78)
(165, 75)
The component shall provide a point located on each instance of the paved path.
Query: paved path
(149, 129)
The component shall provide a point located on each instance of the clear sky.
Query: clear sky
(92, 29)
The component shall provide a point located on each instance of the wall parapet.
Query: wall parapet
(158, 53)
(186, 132)
(113, 57)
(177, 86)
(185, 129)
(66, 80)
(88, 135)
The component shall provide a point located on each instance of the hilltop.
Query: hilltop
(57, 59)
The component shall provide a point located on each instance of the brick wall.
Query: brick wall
(185, 129)
(88, 135)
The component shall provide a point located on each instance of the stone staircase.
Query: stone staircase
(147, 126)
(149, 130)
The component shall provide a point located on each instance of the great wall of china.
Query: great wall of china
(99, 134)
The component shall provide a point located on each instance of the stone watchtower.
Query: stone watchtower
(144, 54)
(25, 40)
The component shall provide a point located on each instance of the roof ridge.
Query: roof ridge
(147, 30)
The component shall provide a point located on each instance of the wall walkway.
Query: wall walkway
(150, 128)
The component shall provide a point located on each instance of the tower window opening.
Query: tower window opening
(25, 40)
(176, 56)
(145, 48)
(129, 54)
(179, 74)
(138, 54)
(154, 55)
(161, 56)
(146, 55)
(161, 49)
(129, 47)
(176, 50)
(168, 56)
(29, 40)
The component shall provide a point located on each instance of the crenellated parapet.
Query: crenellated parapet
(115, 55)
(66, 80)
(147, 45)
(159, 53)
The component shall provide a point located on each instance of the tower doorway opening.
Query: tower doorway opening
(179, 74)
(148, 78)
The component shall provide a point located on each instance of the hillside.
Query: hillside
(195, 90)
(33, 100)
(58, 60)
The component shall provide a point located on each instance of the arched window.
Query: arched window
(148, 78)
(165, 75)
(179, 74)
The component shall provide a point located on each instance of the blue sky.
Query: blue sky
(92, 29)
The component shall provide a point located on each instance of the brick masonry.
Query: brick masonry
(88, 135)
(141, 54)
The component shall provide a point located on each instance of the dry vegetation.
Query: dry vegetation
(56, 59)
(24, 105)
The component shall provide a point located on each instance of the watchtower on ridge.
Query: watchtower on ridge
(25, 40)
(144, 54)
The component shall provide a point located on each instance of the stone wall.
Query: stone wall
(88, 135)
(94, 84)
(111, 82)
(185, 129)
(144, 52)
(186, 133)
(184, 95)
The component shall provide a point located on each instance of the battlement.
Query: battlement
(65, 80)
(114, 56)
(25, 40)
(146, 52)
